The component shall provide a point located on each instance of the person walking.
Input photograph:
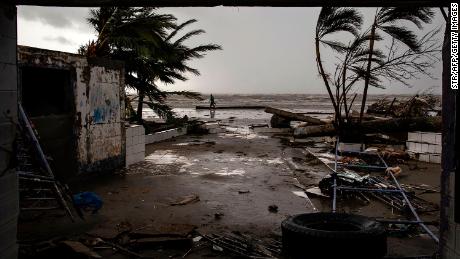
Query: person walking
(212, 104)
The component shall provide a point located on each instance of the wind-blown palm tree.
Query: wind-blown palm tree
(332, 20)
(147, 43)
(388, 20)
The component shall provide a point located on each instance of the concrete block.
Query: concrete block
(414, 136)
(419, 147)
(431, 148)
(424, 157)
(435, 158)
(437, 149)
(411, 147)
(429, 137)
(424, 148)
(438, 139)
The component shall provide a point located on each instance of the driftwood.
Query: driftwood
(383, 126)
(294, 116)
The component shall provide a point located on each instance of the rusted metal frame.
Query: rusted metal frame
(409, 204)
(358, 189)
(364, 166)
(25, 120)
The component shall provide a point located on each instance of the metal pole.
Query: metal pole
(412, 209)
(334, 177)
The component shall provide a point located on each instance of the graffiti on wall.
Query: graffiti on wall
(104, 99)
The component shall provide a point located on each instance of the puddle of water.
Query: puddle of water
(243, 133)
(161, 157)
(277, 160)
(226, 172)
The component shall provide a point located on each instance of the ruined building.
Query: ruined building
(71, 95)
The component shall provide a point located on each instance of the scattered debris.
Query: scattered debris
(80, 248)
(316, 191)
(243, 245)
(87, 201)
(415, 106)
(273, 208)
(186, 200)
(218, 215)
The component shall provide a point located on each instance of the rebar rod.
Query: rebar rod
(414, 212)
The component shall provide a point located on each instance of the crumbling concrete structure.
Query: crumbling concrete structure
(9, 206)
(77, 105)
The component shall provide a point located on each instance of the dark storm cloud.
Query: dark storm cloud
(265, 50)
(59, 17)
(62, 40)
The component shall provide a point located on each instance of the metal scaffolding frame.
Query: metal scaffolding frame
(399, 190)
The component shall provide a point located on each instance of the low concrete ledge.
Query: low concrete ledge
(164, 135)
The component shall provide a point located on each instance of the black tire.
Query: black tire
(333, 235)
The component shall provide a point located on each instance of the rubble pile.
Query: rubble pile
(416, 106)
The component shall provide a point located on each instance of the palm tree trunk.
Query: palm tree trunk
(344, 94)
(326, 82)
(140, 105)
(368, 71)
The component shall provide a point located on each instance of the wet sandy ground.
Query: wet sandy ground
(237, 174)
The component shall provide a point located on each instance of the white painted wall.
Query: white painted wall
(135, 144)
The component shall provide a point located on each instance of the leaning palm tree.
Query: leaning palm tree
(146, 42)
(332, 20)
(388, 20)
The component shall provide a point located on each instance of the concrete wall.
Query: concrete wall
(9, 205)
(425, 146)
(98, 89)
(135, 144)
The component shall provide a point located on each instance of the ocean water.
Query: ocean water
(300, 103)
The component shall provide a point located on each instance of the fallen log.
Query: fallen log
(294, 116)
(376, 126)
(231, 107)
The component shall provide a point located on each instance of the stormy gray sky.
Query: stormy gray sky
(265, 50)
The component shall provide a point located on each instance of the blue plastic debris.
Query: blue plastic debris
(87, 201)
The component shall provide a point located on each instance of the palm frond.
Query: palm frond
(335, 45)
(336, 19)
(403, 35)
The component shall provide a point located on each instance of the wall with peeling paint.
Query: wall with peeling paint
(98, 91)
